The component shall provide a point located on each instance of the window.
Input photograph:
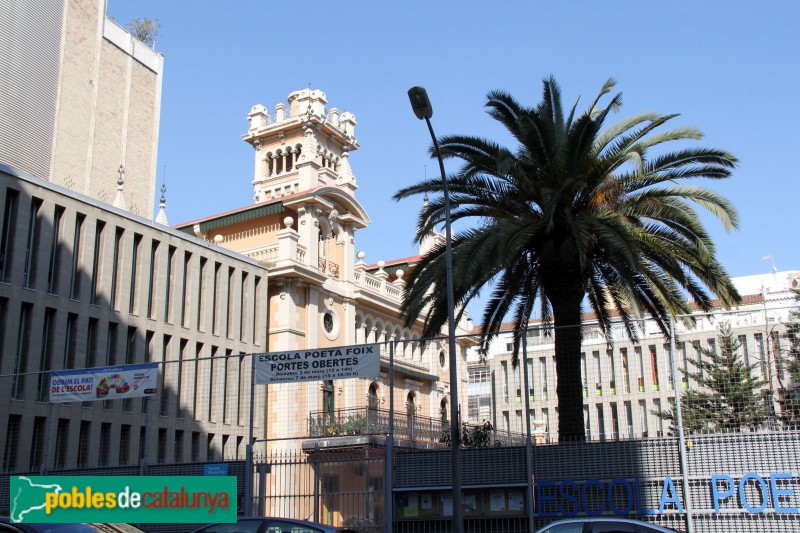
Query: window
(212, 412)
(654, 367)
(543, 376)
(187, 258)
(143, 453)
(698, 353)
(151, 280)
(670, 366)
(96, 264)
(328, 399)
(243, 304)
(225, 377)
(598, 365)
(21, 355)
(210, 450)
(105, 444)
(12, 443)
(215, 303)
(71, 341)
(54, 265)
(613, 527)
(201, 309)
(742, 340)
(116, 273)
(46, 357)
(179, 384)
(198, 354)
(83, 443)
(124, 444)
(683, 356)
(504, 367)
(62, 441)
(584, 375)
(760, 352)
(75, 283)
(31, 244)
(91, 344)
(643, 415)
(161, 454)
(229, 322)
(626, 376)
(195, 452)
(242, 388)
(601, 422)
(256, 309)
(169, 280)
(111, 354)
(7, 237)
(163, 398)
(178, 454)
(612, 384)
(640, 359)
(133, 302)
(37, 443)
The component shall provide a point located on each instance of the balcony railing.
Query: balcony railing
(407, 426)
(367, 421)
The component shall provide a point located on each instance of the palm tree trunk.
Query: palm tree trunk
(567, 321)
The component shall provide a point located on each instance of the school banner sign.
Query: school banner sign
(104, 383)
(358, 361)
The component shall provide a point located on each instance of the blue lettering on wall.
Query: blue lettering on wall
(665, 498)
(594, 497)
(777, 492)
(616, 482)
(570, 497)
(584, 497)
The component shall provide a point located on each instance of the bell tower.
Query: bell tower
(302, 147)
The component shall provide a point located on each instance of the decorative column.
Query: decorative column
(287, 241)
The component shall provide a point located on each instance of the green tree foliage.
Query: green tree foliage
(146, 30)
(791, 361)
(478, 436)
(576, 210)
(727, 397)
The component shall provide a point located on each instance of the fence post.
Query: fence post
(681, 439)
(528, 445)
(248, 472)
(143, 458)
(316, 482)
(48, 438)
(248, 480)
(388, 500)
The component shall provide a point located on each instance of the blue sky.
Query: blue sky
(729, 68)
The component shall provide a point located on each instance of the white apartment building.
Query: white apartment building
(625, 383)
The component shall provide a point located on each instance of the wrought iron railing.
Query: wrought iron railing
(370, 421)
(407, 426)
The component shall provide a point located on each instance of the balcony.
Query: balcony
(409, 428)
(366, 421)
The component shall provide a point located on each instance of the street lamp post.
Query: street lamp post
(423, 110)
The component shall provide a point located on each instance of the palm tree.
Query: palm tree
(573, 212)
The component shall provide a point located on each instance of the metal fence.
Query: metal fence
(320, 448)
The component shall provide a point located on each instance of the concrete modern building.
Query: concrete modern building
(84, 284)
(81, 97)
(625, 382)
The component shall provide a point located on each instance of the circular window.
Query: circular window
(330, 324)
(442, 358)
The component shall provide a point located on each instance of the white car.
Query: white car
(602, 525)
